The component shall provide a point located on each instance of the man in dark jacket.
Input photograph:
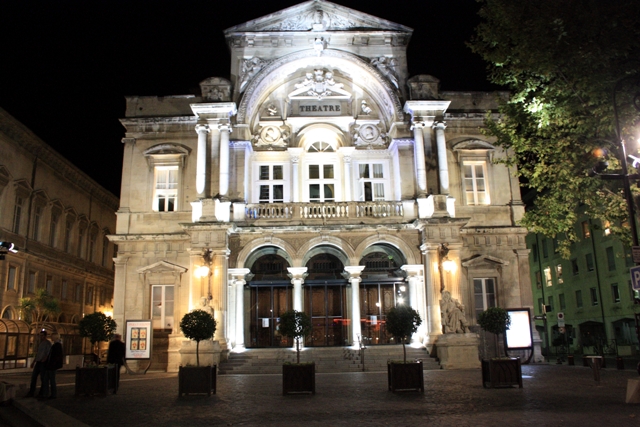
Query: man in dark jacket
(53, 363)
(38, 364)
(116, 356)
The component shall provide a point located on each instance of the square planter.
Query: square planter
(405, 376)
(96, 380)
(299, 378)
(505, 372)
(197, 380)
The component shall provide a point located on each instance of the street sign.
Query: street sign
(560, 320)
(635, 277)
(635, 253)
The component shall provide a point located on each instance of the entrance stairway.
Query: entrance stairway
(327, 359)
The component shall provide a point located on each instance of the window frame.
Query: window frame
(258, 182)
(166, 193)
(384, 180)
(474, 191)
(486, 303)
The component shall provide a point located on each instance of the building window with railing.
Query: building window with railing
(372, 181)
(271, 184)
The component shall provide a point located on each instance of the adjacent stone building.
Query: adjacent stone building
(319, 177)
(59, 219)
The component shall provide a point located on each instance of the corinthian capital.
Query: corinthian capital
(202, 128)
(439, 125)
(225, 127)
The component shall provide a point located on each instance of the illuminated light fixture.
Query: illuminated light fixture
(205, 270)
(403, 288)
(108, 313)
(400, 300)
(201, 272)
(444, 263)
(449, 266)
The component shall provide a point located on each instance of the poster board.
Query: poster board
(519, 336)
(138, 335)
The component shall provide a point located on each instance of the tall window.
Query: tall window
(105, 251)
(594, 296)
(53, 228)
(271, 183)
(68, 227)
(538, 280)
(166, 189)
(31, 287)
(63, 290)
(615, 292)
(93, 237)
(475, 183)
(162, 307)
(586, 232)
(484, 294)
(547, 276)
(574, 267)
(82, 229)
(550, 299)
(590, 264)
(561, 301)
(11, 278)
(37, 221)
(89, 296)
(372, 181)
(321, 183)
(611, 259)
(559, 273)
(49, 285)
(17, 214)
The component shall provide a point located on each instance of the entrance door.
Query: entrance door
(162, 307)
(326, 303)
(376, 299)
(268, 302)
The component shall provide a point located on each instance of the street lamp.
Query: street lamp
(205, 270)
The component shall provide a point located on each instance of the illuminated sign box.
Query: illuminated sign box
(519, 335)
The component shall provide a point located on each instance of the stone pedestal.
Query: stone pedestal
(458, 351)
(209, 353)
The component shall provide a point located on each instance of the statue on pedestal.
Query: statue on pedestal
(454, 320)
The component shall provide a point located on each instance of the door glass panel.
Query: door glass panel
(314, 172)
(278, 172)
(328, 171)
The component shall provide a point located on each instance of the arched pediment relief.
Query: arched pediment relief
(472, 144)
(270, 136)
(40, 198)
(162, 267)
(319, 84)
(166, 153)
(484, 261)
(350, 67)
(56, 206)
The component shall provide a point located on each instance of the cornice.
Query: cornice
(24, 138)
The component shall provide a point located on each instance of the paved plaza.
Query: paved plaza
(553, 395)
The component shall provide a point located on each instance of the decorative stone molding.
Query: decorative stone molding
(272, 136)
(216, 89)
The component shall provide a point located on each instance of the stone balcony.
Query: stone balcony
(325, 213)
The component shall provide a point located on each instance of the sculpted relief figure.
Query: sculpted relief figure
(250, 67)
(386, 67)
(204, 306)
(453, 319)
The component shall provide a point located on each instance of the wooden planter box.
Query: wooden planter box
(197, 380)
(502, 372)
(299, 378)
(405, 376)
(96, 380)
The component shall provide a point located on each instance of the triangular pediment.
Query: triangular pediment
(484, 260)
(162, 267)
(318, 15)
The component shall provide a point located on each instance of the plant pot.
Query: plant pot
(95, 380)
(197, 380)
(503, 372)
(405, 376)
(299, 378)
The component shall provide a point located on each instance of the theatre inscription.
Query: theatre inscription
(319, 109)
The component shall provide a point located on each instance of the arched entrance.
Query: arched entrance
(382, 287)
(325, 301)
(270, 296)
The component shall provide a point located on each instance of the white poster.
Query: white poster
(138, 339)
(519, 333)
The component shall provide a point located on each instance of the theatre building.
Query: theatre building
(319, 176)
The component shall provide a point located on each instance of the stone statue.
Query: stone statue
(454, 320)
(204, 306)
(250, 67)
(365, 108)
(386, 67)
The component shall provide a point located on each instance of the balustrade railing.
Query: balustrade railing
(326, 211)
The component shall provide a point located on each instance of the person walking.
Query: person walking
(38, 363)
(53, 363)
(115, 355)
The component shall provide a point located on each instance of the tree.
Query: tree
(495, 320)
(97, 327)
(561, 60)
(296, 325)
(39, 309)
(402, 322)
(198, 325)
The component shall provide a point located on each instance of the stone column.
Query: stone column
(119, 292)
(297, 275)
(347, 152)
(421, 170)
(415, 279)
(219, 293)
(225, 130)
(238, 275)
(295, 179)
(201, 162)
(443, 167)
(432, 290)
(355, 279)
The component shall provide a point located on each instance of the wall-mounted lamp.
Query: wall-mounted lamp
(444, 263)
(205, 270)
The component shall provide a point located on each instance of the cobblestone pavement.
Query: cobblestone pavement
(553, 395)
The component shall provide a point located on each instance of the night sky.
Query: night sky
(66, 66)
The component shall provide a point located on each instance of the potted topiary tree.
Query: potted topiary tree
(95, 378)
(499, 371)
(402, 322)
(197, 325)
(297, 377)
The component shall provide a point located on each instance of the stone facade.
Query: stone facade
(59, 218)
(319, 177)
